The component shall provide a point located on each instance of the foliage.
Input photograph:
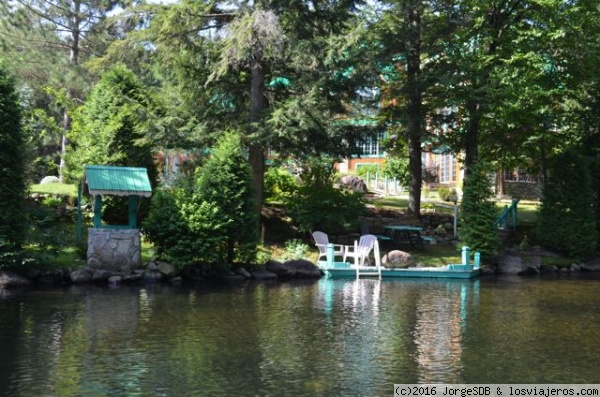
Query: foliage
(363, 169)
(318, 205)
(325, 208)
(446, 193)
(217, 222)
(293, 249)
(279, 184)
(48, 42)
(108, 130)
(478, 213)
(12, 171)
(167, 228)
(51, 238)
(567, 220)
(225, 186)
(397, 167)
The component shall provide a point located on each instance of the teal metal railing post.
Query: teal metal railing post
(476, 260)
(132, 211)
(465, 255)
(79, 230)
(508, 217)
(330, 255)
(98, 211)
(515, 202)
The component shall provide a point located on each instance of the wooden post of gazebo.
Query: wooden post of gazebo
(115, 248)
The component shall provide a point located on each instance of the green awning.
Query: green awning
(117, 181)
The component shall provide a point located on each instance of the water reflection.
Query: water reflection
(432, 319)
(326, 337)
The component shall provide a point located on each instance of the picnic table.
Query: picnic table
(411, 234)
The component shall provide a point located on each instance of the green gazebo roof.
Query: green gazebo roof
(117, 181)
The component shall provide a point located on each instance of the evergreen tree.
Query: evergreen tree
(109, 129)
(224, 187)
(567, 219)
(478, 213)
(50, 40)
(12, 171)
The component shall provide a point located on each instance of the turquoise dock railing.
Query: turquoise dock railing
(466, 253)
(508, 218)
(466, 260)
(330, 255)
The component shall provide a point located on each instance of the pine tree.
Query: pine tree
(225, 186)
(12, 171)
(478, 213)
(108, 129)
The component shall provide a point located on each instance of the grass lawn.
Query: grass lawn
(59, 189)
(435, 255)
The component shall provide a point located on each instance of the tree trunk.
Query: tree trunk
(500, 182)
(414, 107)
(74, 61)
(256, 155)
(472, 135)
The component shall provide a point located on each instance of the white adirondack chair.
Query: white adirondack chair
(361, 250)
(321, 242)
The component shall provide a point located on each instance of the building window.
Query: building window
(447, 168)
(371, 146)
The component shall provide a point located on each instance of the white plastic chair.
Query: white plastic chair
(361, 250)
(321, 241)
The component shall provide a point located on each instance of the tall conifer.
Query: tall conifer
(12, 171)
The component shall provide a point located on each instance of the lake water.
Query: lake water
(317, 338)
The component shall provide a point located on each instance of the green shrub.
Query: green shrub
(217, 222)
(317, 205)
(446, 193)
(326, 208)
(479, 213)
(52, 201)
(225, 192)
(166, 227)
(294, 249)
(397, 167)
(363, 169)
(566, 219)
(12, 173)
(279, 184)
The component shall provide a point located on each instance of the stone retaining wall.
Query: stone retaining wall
(523, 190)
(115, 250)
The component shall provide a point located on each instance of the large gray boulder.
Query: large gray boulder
(81, 276)
(167, 269)
(354, 183)
(263, 274)
(512, 262)
(10, 280)
(303, 268)
(280, 269)
(49, 179)
(295, 268)
(397, 259)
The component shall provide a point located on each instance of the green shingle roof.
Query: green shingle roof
(117, 181)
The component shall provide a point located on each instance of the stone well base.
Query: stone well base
(115, 250)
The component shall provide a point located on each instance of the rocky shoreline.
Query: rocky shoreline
(158, 271)
(512, 262)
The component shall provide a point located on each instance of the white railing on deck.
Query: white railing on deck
(378, 183)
